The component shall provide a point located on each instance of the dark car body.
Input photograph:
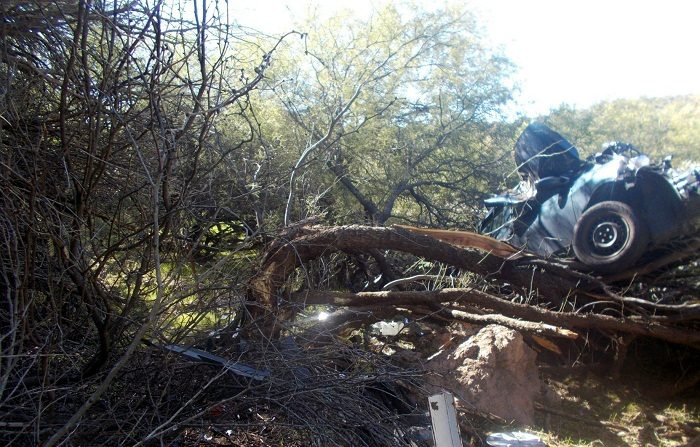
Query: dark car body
(610, 209)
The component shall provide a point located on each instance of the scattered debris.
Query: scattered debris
(514, 439)
(444, 420)
(207, 357)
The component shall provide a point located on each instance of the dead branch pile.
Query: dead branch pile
(525, 293)
(329, 394)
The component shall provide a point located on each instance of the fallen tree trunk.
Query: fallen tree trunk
(469, 239)
(303, 244)
(550, 287)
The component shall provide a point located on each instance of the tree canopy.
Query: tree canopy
(389, 116)
(658, 126)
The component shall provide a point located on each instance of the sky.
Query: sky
(566, 51)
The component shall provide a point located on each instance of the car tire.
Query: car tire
(610, 237)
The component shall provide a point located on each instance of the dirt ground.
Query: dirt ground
(654, 401)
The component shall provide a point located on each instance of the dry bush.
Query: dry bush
(123, 217)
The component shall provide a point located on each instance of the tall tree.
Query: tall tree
(395, 116)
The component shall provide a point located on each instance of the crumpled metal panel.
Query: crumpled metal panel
(540, 214)
(236, 368)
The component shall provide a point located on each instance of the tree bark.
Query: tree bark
(302, 244)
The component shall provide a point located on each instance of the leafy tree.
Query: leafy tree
(658, 126)
(400, 113)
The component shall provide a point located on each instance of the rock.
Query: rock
(493, 371)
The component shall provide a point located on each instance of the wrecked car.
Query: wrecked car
(609, 210)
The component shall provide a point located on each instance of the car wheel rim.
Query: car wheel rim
(608, 235)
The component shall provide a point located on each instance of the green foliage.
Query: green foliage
(658, 126)
(420, 140)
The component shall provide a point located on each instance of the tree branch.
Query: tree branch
(532, 314)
